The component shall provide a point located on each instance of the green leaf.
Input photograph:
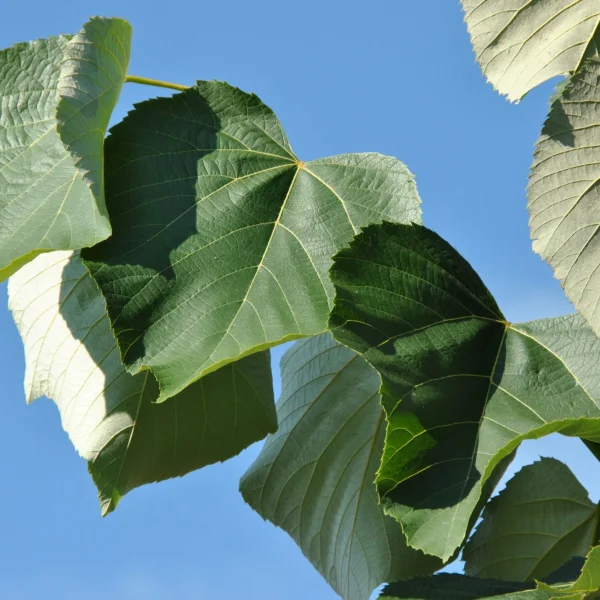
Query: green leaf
(567, 572)
(110, 415)
(222, 238)
(522, 43)
(57, 98)
(462, 587)
(559, 90)
(314, 477)
(589, 580)
(461, 386)
(564, 192)
(542, 519)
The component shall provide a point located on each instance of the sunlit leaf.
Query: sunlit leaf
(522, 43)
(222, 237)
(564, 192)
(56, 99)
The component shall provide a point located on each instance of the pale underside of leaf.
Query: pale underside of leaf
(222, 237)
(314, 477)
(462, 388)
(564, 200)
(56, 98)
(519, 44)
(541, 520)
(110, 415)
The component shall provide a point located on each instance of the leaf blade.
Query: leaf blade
(110, 415)
(563, 191)
(57, 103)
(460, 587)
(519, 44)
(544, 512)
(456, 587)
(230, 228)
(436, 342)
(314, 477)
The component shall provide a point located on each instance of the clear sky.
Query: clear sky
(387, 76)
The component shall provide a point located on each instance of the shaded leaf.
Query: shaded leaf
(522, 43)
(222, 237)
(564, 192)
(541, 520)
(588, 581)
(461, 386)
(314, 477)
(57, 97)
(559, 90)
(110, 415)
(462, 587)
(567, 572)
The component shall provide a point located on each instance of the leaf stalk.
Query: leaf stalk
(156, 83)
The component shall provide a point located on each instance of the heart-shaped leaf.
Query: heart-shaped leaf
(461, 386)
(110, 415)
(222, 237)
(57, 98)
(314, 477)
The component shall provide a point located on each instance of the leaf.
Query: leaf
(57, 97)
(110, 415)
(542, 519)
(222, 237)
(461, 386)
(559, 90)
(462, 587)
(314, 477)
(564, 192)
(447, 586)
(522, 43)
(567, 572)
(589, 580)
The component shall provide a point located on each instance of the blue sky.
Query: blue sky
(397, 78)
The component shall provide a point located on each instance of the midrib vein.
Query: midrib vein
(260, 264)
(476, 445)
(129, 441)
